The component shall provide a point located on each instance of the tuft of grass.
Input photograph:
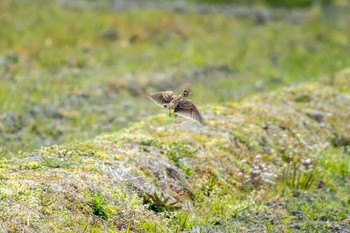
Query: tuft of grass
(210, 185)
(340, 141)
(297, 176)
(100, 207)
(158, 203)
(182, 219)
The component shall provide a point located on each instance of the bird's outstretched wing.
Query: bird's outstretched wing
(162, 98)
(187, 109)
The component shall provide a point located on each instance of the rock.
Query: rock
(297, 213)
(109, 35)
(317, 116)
(296, 193)
(320, 184)
(303, 98)
(261, 16)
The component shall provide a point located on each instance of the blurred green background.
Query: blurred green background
(70, 70)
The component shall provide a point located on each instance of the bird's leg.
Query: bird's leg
(171, 113)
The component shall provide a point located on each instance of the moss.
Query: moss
(32, 165)
(57, 162)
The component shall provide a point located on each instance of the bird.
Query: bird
(181, 105)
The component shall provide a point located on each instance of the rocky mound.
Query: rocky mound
(252, 166)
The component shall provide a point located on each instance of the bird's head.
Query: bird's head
(186, 93)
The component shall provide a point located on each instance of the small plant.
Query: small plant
(177, 152)
(33, 165)
(299, 174)
(158, 203)
(300, 170)
(46, 199)
(268, 226)
(182, 221)
(340, 141)
(99, 205)
(260, 173)
(210, 185)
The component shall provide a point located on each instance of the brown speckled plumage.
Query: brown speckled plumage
(180, 104)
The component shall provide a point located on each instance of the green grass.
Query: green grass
(99, 205)
(65, 71)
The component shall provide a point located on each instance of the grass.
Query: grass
(158, 203)
(64, 82)
(99, 205)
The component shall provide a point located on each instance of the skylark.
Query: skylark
(179, 104)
